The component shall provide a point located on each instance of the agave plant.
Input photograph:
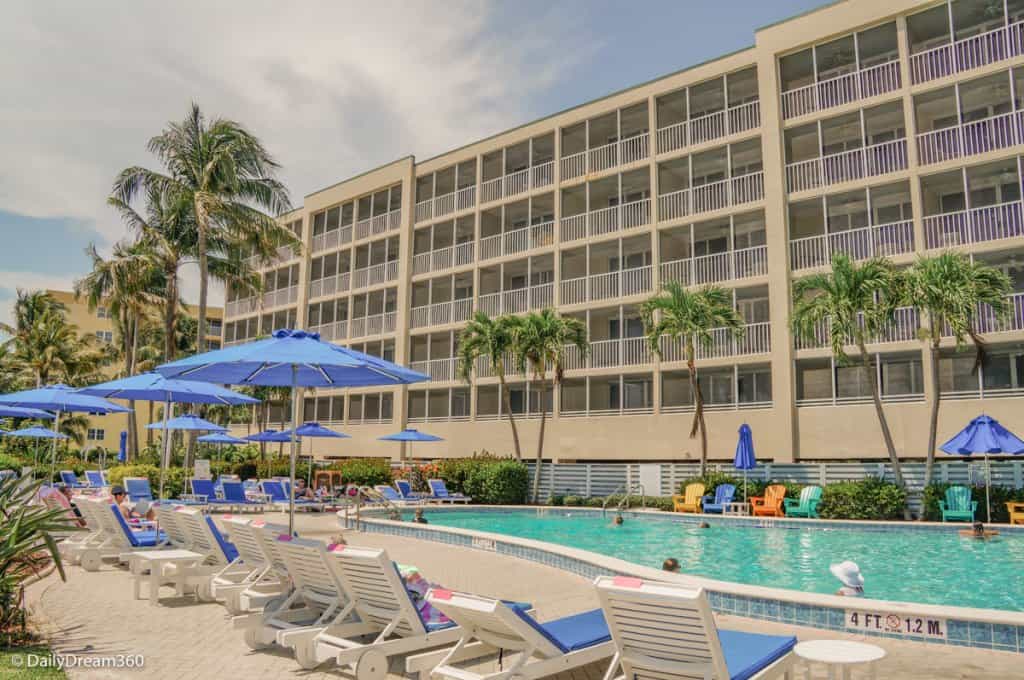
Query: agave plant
(27, 546)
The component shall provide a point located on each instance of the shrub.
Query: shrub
(574, 501)
(364, 471)
(417, 475)
(999, 496)
(503, 482)
(864, 499)
(455, 471)
(174, 482)
(12, 462)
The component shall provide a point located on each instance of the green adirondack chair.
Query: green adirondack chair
(958, 506)
(806, 505)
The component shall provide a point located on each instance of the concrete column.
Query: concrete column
(403, 302)
(556, 171)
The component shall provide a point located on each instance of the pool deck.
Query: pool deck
(94, 614)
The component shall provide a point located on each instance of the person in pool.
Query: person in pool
(671, 564)
(618, 520)
(418, 517)
(979, 532)
(849, 575)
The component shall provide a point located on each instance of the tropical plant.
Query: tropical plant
(539, 342)
(950, 289)
(492, 340)
(691, 317)
(855, 303)
(225, 175)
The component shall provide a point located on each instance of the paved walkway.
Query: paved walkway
(94, 614)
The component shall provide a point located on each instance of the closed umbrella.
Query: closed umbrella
(984, 435)
(410, 435)
(745, 459)
(60, 399)
(291, 358)
(183, 423)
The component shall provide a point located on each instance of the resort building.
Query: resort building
(870, 128)
(105, 431)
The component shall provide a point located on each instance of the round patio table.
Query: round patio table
(840, 655)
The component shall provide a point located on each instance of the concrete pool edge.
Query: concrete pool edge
(991, 629)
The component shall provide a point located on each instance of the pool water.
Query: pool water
(906, 566)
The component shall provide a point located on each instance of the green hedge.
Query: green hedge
(364, 471)
(12, 462)
(500, 482)
(999, 497)
(651, 502)
(865, 499)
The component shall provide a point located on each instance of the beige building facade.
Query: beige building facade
(105, 431)
(864, 127)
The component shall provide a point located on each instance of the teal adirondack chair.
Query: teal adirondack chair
(958, 506)
(806, 505)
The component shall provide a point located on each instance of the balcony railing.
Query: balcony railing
(379, 224)
(849, 87)
(282, 296)
(337, 330)
(986, 321)
(240, 307)
(375, 324)
(902, 329)
(440, 313)
(967, 54)
(514, 183)
(712, 126)
(604, 286)
(977, 225)
(710, 197)
(885, 239)
(375, 274)
(756, 339)
(606, 220)
(329, 285)
(877, 159)
(969, 139)
(600, 158)
(726, 266)
(517, 301)
(331, 239)
(462, 199)
(608, 354)
(439, 370)
(443, 258)
(517, 240)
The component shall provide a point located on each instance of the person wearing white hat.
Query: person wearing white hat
(849, 575)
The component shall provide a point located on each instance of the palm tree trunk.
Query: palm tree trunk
(149, 433)
(508, 410)
(202, 224)
(540, 439)
(933, 420)
(170, 314)
(698, 426)
(133, 419)
(870, 368)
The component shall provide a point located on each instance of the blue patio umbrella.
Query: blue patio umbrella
(984, 435)
(313, 430)
(220, 438)
(183, 423)
(410, 435)
(60, 399)
(745, 459)
(37, 432)
(291, 358)
(269, 436)
(19, 412)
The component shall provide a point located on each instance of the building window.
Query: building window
(96, 434)
(105, 336)
(101, 312)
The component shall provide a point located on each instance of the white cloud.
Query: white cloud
(11, 281)
(331, 88)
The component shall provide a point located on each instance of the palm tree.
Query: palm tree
(691, 317)
(492, 339)
(539, 341)
(950, 289)
(856, 303)
(226, 176)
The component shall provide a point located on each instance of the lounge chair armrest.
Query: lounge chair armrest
(757, 500)
(790, 503)
(707, 498)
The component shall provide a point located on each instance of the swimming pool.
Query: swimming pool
(929, 567)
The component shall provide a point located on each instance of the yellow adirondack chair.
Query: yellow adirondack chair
(1016, 511)
(690, 500)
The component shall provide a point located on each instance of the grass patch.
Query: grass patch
(12, 670)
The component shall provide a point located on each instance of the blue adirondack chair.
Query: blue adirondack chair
(958, 506)
(724, 494)
(806, 505)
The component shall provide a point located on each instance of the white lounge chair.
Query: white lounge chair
(668, 632)
(386, 616)
(220, 556)
(167, 520)
(117, 538)
(316, 601)
(491, 627)
(260, 580)
(439, 492)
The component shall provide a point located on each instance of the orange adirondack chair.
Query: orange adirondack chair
(770, 504)
(690, 502)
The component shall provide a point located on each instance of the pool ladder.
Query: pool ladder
(630, 491)
(367, 493)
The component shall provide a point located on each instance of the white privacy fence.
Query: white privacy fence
(601, 479)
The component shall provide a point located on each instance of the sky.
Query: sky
(331, 88)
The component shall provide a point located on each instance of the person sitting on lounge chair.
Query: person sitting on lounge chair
(302, 492)
(66, 492)
(849, 575)
(141, 509)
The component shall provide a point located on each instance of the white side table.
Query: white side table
(840, 655)
(155, 561)
(736, 509)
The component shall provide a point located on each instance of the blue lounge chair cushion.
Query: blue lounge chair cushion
(147, 539)
(226, 547)
(571, 633)
(748, 653)
(204, 487)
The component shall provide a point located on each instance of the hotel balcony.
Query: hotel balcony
(839, 72)
(329, 318)
(904, 328)
(710, 181)
(606, 205)
(861, 224)
(617, 138)
(443, 245)
(336, 330)
(517, 227)
(707, 111)
(862, 144)
(989, 209)
(439, 370)
(946, 40)
(329, 285)
(823, 382)
(375, 324)
(329, 274)
(729, 248)
(281, 287)
(607, 270)
(517, 169)
(442, 300)
(333, 227)
(446, 191)
(375, 263)
(517, 287)
(986, 321)
(373, 313)
(242, 306)
(441, 313)
(434, 355)
(756, 339)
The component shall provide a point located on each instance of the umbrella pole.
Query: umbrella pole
(166, 458)
(295, 406)
(988, 483)
(53, 449)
